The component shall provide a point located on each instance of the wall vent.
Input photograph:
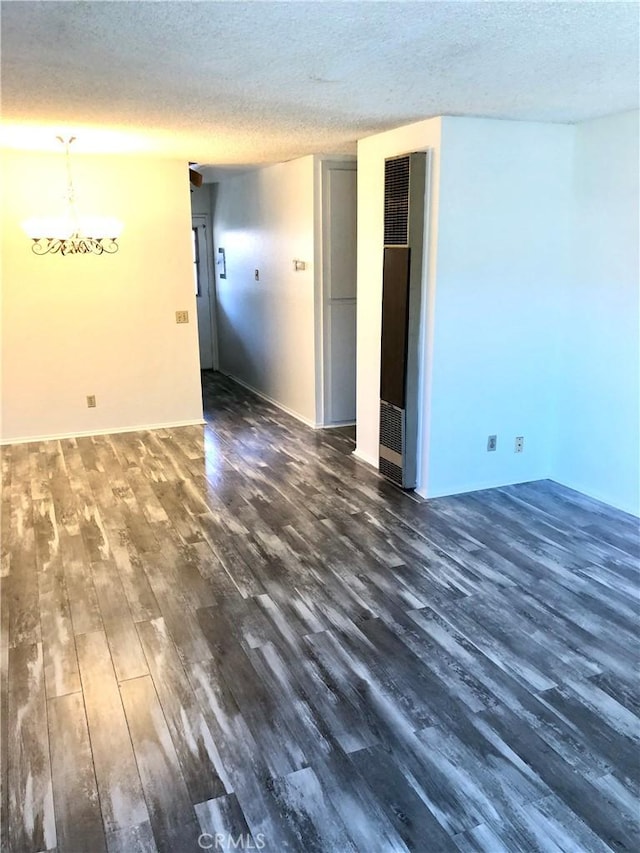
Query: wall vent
(391, 427)
(396, 201)
(391, 472)
(404, 206)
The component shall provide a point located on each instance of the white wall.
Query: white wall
(505, 202)
(598, 449)
(105, 325)
(266, 330)
(497, 222)
(531, 323)
(372, 151)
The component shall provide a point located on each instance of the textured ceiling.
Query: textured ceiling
(234, 83)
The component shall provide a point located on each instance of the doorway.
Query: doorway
(205, 291)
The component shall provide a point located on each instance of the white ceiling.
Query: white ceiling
(236, 83)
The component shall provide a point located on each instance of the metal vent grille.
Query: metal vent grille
(391, 427)
(391, 471)
(396, 202)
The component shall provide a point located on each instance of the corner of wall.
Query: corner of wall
(102, 325)
(597, 442)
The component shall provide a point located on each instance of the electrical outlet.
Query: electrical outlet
(91, 401)
(256, 275)
(492, 442)
(519, 445)
(182, 316)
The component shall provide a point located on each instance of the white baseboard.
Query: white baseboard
(363, 457)
(273, 402)
(337, 425)
(111, 431)
(467, 488)
(597, 495)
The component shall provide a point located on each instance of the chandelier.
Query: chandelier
(72, 234)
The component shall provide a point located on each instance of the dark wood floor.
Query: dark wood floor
(238, 630)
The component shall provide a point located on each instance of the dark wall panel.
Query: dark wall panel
(395, 318)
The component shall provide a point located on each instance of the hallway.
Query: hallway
(239, 630)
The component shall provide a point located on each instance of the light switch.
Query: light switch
(182, 316)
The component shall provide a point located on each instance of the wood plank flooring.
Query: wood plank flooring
(238, 637)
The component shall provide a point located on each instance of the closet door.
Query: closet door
(340, 293)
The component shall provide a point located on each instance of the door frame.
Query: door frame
(197, 220)
(323, 306)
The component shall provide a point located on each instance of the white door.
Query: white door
(339, 192)
(205, 301)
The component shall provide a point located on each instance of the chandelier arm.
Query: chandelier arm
(75, 245)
